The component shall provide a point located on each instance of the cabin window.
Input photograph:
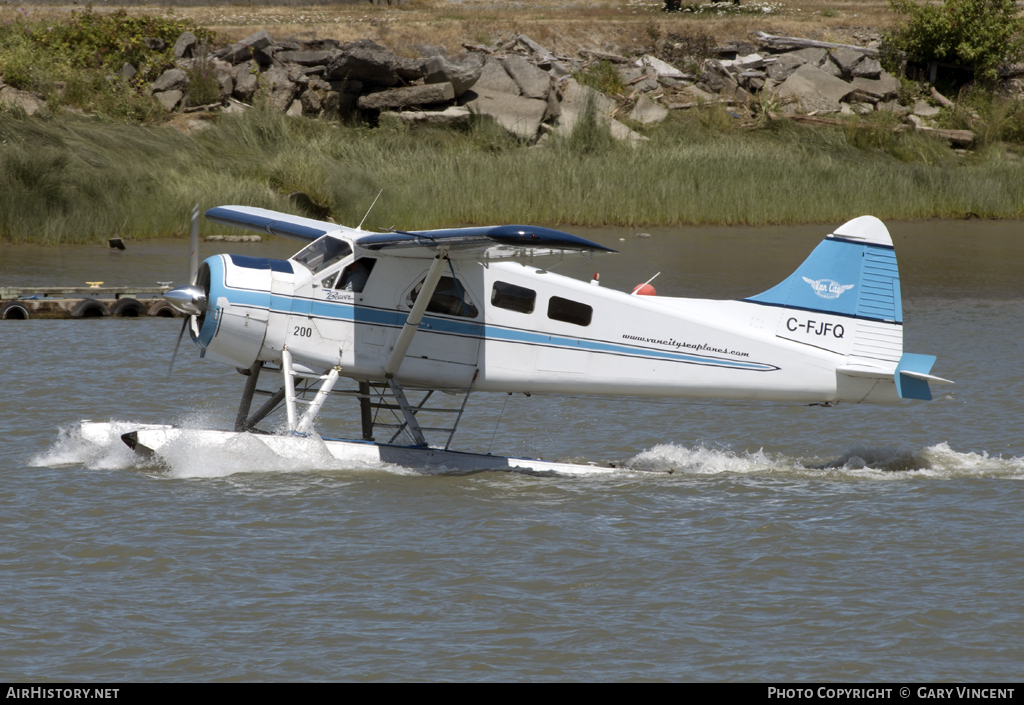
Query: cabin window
(513, 298)
(560, 309)
(450, 298)
(323, 253)
(354, 276)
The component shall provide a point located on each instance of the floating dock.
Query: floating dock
(24, 302)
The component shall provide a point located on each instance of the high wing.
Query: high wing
(506, 236)
(272, 222)
(476, 239)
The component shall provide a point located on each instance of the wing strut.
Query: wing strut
(412, 323)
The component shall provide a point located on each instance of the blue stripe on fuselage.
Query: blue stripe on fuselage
(341, 311)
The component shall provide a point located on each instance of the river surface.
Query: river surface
(788, 544)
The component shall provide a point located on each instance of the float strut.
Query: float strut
(247, 392)
(366, 411)
(326, 385)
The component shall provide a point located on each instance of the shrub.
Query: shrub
(980, 34)
(602, 77)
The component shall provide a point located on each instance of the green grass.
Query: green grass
(74, 179)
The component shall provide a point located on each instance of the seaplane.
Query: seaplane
(402, 315)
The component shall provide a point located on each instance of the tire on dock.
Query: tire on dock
(128, 308)
(90, 308)
(161, 309)
(14, 311)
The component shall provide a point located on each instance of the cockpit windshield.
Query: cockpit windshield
(323, 253)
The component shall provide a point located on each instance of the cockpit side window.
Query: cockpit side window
(450, 298)
(355, 276)
(321, 254)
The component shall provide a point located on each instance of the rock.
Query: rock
(260, 40)
(295, 109)
(494, 78)
(250, 47)
(318, 84)
(748, 62)
(411, 95)
(234, 53)
(245, 86)
(629, 73)
(752, 80)
(860, 97)
(647, 111)
(366, 61)
(311, 103)
(462, 75)
(296, 75)
(922, 109)
(867, 68)
(154, 43)
(785, 65)
(814, 55)
(518, 115)
(128, 71)
(185, 45)
(279, 90)
(306, 58)
(532, 82)
(452, 115)
(239, 70)
(26, 100)
(892, 106)
(884, 87)
(862, 108)
(692, 94)
(663, 69)
(171, 80)
(169, 99)
(831, 69)
(813, 89)
(846, 59)
(225, 84)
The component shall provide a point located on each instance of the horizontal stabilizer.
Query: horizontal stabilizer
(271, 222)
(912, 376)
(515, 236)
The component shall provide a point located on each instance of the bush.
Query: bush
(77, 60)
(602, 77)
(980, 34)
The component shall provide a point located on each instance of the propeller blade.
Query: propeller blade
(184, 325)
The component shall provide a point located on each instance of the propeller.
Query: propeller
(191, 301)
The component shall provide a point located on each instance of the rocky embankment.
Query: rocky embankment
(527, 89)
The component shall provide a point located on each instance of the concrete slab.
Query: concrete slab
(519, 115)
(813, 89)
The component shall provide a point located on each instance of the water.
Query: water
(788, 543)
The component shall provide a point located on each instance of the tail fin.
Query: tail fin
(852, 275)
(852, 272)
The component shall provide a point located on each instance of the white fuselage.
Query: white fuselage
(529, 330)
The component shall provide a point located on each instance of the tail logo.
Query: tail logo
(827, 288)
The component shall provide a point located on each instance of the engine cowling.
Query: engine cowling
(238, 292)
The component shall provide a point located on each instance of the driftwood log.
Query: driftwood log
(777, 42)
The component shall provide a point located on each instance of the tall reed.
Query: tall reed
(72, 179)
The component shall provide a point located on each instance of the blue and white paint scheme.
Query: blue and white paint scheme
(464, 308)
